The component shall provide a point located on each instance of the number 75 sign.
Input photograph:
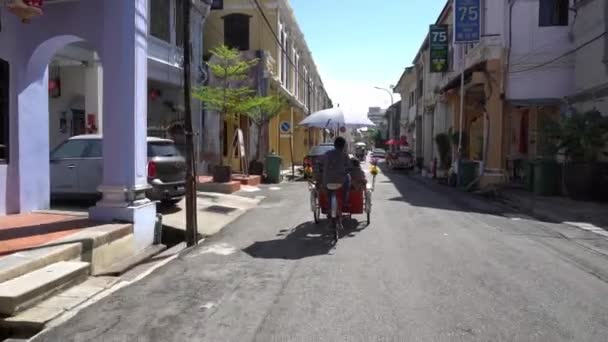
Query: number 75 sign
(467, 21)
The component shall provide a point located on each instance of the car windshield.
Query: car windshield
(162, 149)
(320, 150)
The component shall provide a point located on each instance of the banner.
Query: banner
(439, 48)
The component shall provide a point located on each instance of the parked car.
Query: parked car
(378, 153)
(402, 160)
(77, 169)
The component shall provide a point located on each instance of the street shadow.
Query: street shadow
(424, 192)
(304, 241)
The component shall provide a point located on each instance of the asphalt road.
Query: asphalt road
(434, 265)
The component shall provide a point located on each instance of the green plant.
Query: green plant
(444, 147)
(584, 135)
(226, 95)
(262, 110)
(548, 141)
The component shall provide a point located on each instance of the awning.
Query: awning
(535, 102)
(468, 74)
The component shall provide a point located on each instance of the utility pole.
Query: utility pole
(191, 226)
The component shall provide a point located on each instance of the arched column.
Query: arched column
(125, 74)
(33, 125)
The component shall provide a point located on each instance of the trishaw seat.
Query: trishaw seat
(334, 186)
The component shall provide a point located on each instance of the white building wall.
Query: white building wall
(591, 61)
(533, 45)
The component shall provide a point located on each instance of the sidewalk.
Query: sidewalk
(590, 216)
(215, 211)
(585, 215)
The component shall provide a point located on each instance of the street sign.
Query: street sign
(467, 21)
(439, 48)
(285, 128)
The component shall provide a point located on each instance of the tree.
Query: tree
(228, 96)
(262, 110)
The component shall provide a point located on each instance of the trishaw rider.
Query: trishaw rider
(336, 168)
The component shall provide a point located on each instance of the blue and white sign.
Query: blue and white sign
(467, 21)
(285, 127)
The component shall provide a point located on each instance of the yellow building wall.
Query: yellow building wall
(260, 36)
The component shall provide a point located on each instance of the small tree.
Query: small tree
(228, 96)
(262, 110)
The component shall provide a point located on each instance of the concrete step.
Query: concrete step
(100, 245)
(26, 290)
(20, 263)
(126, 264)
(28, 323)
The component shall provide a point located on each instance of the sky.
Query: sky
(359, 44)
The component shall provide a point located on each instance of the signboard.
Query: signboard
(439, 48)
(467, 21)
(285, 128)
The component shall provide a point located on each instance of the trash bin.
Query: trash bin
(273, 168)
(467, 172)
(529, 176)
(546, 177)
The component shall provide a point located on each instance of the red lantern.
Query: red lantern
(26, 9)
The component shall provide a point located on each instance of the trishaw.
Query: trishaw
(329, 201)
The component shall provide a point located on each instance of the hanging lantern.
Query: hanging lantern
(26, 9)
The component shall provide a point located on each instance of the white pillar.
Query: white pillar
(93, 89)
(125, 68)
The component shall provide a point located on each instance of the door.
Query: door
(65, 160)
(90, 168)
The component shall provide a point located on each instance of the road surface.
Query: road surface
(432, 266)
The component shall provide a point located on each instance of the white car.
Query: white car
(77, 169)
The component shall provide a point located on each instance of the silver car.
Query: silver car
(77, 169)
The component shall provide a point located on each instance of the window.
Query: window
(284, 58)
(179, 22)
(289, 79)
(420, 85)
(4, 110)
(217, 5)
(412, 99)
(236, 31)
(160, 19)
(553, 12)
(296, 82)
(70, 149)
(162, 149)
(95, 149)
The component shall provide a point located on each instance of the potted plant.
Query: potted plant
(228, 95)
(444, 147)
(582, 138)
(260, 113)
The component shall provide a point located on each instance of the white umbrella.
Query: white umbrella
(336, 118)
